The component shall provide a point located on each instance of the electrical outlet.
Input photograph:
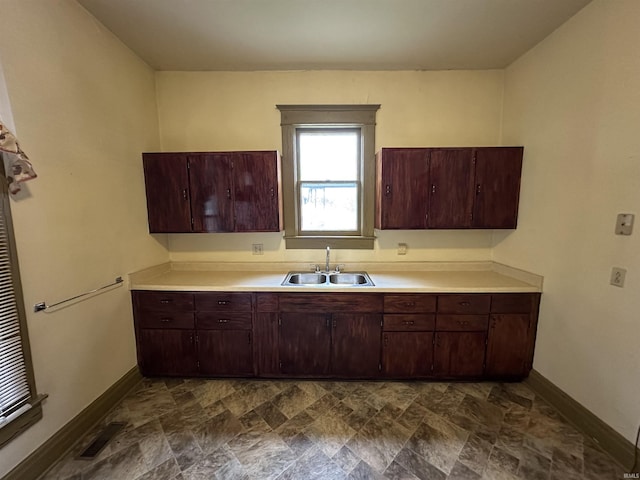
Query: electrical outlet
(258, 249)
(624, 224)
(402, 249)
(617, 276)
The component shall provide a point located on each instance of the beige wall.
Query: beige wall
(574, 102)
(84, 109)
(237, 111)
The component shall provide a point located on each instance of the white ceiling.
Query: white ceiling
(331, 34)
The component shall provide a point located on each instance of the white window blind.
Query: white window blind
(14, 386)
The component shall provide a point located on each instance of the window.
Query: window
(328, 181)
(19, 405)
(328, 168)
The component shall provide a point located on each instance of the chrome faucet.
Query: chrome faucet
(326, 268)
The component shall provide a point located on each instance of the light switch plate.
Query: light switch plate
(617, 276)
(624, 223)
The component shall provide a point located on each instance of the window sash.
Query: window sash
(358, 221)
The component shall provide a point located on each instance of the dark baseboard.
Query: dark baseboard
(606, 437)
(47, 454)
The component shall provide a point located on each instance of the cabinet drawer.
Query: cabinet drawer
(163, 301)
(513, 302)
(223, 302)
(168, 320)
(464, 303)
(331, 302)
(223, 321)
(409, 323)
(409, 303)
(462, 323)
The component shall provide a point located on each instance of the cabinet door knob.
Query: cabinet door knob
(223, 302)
(223, 320)
(228, 193)
(184, 194)
(273, 193)
(387, 190)
(433, 189)
(478, 187)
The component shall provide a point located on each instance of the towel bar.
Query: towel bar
(38, 307)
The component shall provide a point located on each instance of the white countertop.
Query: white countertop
(436, 277)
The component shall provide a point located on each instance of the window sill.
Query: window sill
(17, 425)
(345, 242)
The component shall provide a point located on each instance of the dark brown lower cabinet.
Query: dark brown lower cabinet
(355, 345)
(508, 345)
(407, 354)
(167, 352)
(395, 335)
(459, 354)
(225, 352)
(304, 343)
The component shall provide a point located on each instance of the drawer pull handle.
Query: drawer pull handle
(464, 304)
(463, 322)
(223, 320)
(165, 301)
(408, 322)
(223, 302)
(409, 304)
(165, 320)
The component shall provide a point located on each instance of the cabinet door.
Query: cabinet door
(498, 171)
(266, 343)
(407, 354)
(451, 202)
(403, 188)
(166, 352)
(211, 192)
(305, 343)
(167, 185)
(459, 354)
(225, 352)
(355, 345)
(256, 196)
(508, 345)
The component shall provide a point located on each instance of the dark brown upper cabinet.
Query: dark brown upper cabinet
(403, 188)
(211, 187)
(448, 188)
(256, 180)
(497, 185)
(451, 188)
(167, 182)
(213, 192)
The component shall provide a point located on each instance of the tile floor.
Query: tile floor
(258, 429)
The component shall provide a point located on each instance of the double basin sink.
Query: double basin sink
(342, 279)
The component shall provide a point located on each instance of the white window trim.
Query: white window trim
(297, 116)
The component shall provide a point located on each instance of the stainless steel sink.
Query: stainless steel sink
(328, 279)
(350, 279)
(305, 279)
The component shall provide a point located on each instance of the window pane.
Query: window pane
(328, 155)
(329, 207)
